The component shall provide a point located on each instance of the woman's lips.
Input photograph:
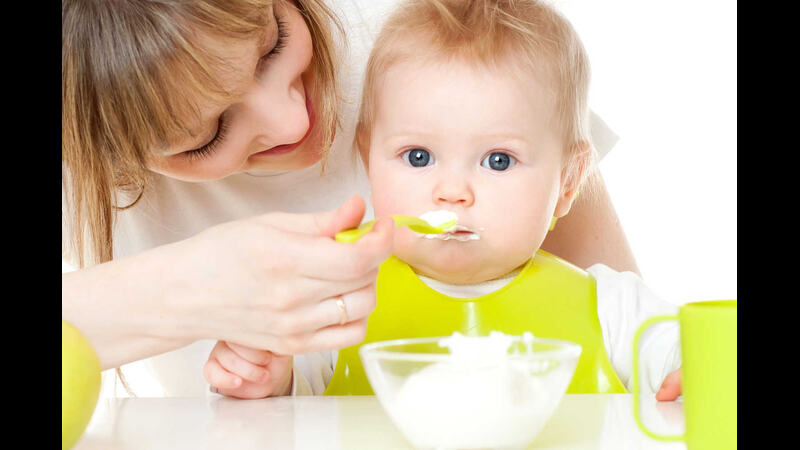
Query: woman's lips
(288, 148)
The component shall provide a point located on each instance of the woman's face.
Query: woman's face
(268, 125)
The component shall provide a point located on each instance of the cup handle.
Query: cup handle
(636, 413)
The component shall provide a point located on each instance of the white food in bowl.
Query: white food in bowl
(478, 397)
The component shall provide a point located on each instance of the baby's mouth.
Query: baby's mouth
(459, 233)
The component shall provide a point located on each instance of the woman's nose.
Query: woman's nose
(280, 114)
(455, 191)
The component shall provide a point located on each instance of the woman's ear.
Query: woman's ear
(572, 175)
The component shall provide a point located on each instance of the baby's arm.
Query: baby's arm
(243, 372)
(623, 304)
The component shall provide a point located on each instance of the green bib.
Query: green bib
(550, 297)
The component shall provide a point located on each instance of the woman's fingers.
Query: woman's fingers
(327, 223)
(287, 329)
(340, 309)
(327, 338)
(336, 310)
(339, 336)
(285, 342)
(313, 291)
(326, 259)
(347, 216)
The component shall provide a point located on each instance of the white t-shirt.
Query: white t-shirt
(172, 210)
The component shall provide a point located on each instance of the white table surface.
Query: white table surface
(582, 421)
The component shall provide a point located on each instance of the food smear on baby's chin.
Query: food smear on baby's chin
(459, 233)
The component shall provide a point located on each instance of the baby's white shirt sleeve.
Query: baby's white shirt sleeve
(312, 372)
(623, 304)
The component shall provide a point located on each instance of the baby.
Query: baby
(479, 108)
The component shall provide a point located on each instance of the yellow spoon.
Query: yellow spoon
(414, 223)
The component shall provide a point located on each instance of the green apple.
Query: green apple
(80, 384)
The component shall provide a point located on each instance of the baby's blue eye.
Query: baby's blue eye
(498, 161)
(418, 157)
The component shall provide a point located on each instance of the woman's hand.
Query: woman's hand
(274, 281)
(268, 282)
(250, 373)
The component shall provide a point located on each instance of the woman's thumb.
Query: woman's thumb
(347, 216)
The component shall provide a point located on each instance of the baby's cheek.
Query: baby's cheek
(385, 195)
(521, 238)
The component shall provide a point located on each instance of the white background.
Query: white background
(664, 79)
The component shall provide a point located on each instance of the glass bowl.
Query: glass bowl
(471, 395)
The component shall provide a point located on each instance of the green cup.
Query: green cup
(708, 350)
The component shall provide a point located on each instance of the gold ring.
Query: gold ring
(342, 310)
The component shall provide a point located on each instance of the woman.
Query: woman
(186, 126)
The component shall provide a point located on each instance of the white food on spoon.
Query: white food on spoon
(441, 216)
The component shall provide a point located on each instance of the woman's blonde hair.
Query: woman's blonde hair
(527, 35)
(127, 68)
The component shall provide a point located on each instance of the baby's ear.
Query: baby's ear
(572, 175)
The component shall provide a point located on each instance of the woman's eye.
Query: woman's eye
(283, 35)
(208, 149)
(498, 161)
(418, 157)
(280, 43)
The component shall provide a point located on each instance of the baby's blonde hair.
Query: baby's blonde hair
(527, 35)
(127, 70)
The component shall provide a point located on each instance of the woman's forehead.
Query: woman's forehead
(233, 60)
(232, 63)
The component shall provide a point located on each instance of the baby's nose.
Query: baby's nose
(454, 191)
